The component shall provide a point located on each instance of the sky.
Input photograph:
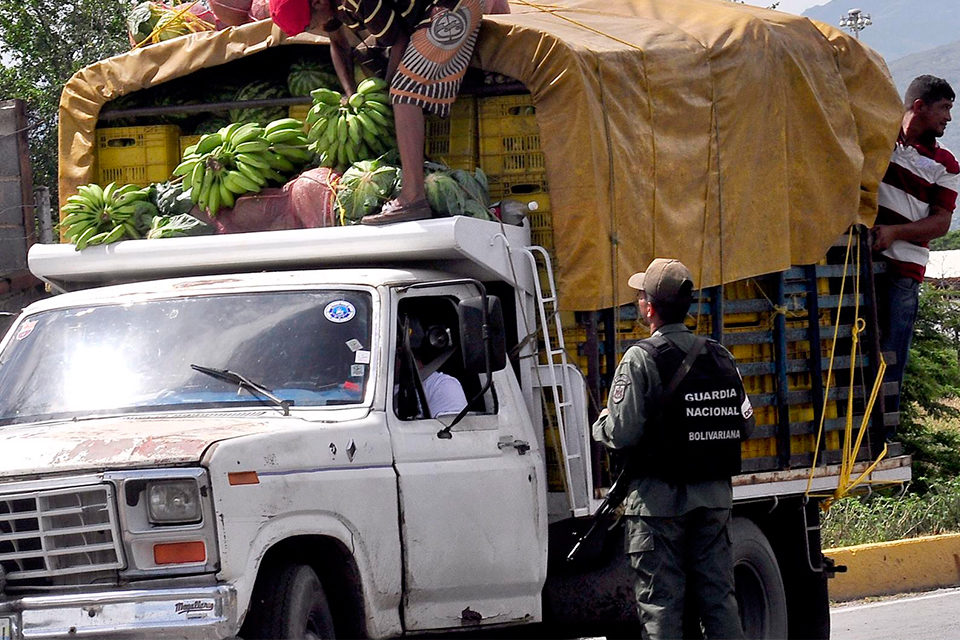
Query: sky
(790, 6)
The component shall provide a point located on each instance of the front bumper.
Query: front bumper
(203, 613)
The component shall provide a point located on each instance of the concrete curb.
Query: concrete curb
(887, 568)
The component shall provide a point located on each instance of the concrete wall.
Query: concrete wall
(902, 566)
(16, 189)
(17, 286)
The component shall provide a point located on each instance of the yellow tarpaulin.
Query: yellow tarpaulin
(739, 139)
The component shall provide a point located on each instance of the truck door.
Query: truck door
(472, 506)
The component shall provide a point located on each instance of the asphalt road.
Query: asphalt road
(934, 615)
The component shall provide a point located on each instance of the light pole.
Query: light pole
(856, 21)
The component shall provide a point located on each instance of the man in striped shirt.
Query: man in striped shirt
(431, 43)
(916, 201)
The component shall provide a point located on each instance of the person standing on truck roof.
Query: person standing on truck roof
(430, 42)
(916, 200)
(677, 412)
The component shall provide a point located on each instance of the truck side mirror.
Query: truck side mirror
(470, 313)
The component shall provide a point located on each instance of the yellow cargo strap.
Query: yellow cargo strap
(850, 447)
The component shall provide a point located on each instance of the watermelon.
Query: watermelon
(307, 75)
(259, 90)
(364, 188)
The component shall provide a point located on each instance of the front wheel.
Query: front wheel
(289, 603)
(760, 594)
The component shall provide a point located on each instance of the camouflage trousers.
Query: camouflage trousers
(682, 557)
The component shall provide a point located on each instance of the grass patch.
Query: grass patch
(881, 518)
(930, 505)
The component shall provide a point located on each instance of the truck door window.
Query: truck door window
(309, 347)
(428, 326)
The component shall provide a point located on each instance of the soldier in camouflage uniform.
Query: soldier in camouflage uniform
(677, 531)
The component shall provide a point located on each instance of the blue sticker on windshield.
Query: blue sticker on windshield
(339, 311)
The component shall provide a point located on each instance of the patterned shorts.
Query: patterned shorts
(432, 67)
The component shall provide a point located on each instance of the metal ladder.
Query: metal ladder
(557, 359)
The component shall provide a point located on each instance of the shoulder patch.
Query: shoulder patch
(620, 384)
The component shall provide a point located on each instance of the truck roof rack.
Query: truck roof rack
(468, 246)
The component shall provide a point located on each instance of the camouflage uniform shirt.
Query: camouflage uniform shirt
(636, 389)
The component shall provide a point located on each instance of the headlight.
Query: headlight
(173, 501)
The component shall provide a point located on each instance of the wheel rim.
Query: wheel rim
(751, 600)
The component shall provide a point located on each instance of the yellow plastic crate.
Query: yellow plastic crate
(510, 136)
(137, 155)
(807, 443)
(186, 141)
(759, 384)
(298, 111)
(758, 448)
(553, 461)
(453, 140)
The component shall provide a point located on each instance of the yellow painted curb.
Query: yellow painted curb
(886, 568)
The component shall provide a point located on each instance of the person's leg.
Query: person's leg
(410, 127)
(898, 299)
(654, 548)
(411, 203)
(710, 573)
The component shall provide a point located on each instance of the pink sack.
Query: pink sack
(260, 9)
(304, 202)
(313, 197)
(232, 13)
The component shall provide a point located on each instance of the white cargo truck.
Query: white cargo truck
(207, 437)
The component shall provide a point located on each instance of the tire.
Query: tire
(760, 593)
(289, 604)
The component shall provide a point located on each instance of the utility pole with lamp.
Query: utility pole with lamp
(856, 21)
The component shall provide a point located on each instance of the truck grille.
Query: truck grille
(60, 536)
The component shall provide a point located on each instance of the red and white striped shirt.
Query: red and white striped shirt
(918, 177)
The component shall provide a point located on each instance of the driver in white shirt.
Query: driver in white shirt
(431, 345)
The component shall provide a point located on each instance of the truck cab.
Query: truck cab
(187, 456)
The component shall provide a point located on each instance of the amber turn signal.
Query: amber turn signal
(243, 477)
(179, 552)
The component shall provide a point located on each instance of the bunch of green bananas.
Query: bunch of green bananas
(100, 215)
(359, 128)
(242, 158)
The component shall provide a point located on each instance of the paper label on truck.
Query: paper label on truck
(25, 329)
(339, 311)
(356, 371)
(362, 357)
(354, 345)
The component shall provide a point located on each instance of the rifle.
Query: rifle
(614, 498)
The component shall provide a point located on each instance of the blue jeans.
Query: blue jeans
(897, 300)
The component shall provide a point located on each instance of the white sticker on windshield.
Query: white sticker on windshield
(354, 345)
(339, 311)
(26, 329)
(356, 371)
(362, 357)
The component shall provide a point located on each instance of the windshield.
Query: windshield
(308, 347)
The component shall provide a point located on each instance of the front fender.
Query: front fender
(334, 480)
(382, 609)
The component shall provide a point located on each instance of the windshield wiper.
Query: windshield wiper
(245, 383)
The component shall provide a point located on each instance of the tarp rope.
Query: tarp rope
(851, 448)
